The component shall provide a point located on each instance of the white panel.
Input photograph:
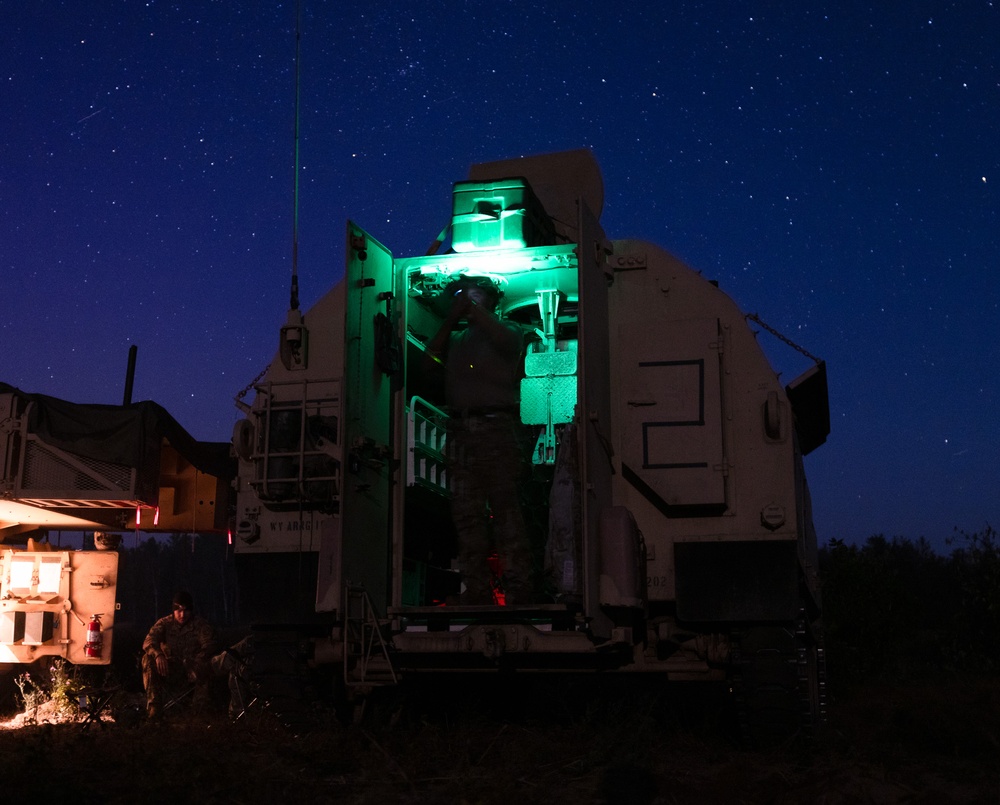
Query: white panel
(21, 571)
(49, 575)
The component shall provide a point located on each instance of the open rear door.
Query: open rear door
(593, 405)
(370, 467)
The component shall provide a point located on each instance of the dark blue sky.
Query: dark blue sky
(833, 165)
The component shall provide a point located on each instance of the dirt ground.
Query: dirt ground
(546, 742)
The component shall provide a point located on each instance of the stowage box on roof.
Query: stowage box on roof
(503, 214)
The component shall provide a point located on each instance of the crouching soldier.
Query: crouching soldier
(177, 653)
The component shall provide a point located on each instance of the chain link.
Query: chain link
(246, 389)
(780, 337)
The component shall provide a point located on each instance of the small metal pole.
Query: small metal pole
(130, 375)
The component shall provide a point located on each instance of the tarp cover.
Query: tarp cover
(128, 435)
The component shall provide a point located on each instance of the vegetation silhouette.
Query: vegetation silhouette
(913, 708)
(894, 609)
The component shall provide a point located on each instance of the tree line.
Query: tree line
(892, 608)
(895, 609)
(150, 572)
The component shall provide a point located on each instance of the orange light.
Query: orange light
(138, 516)
(156, 516)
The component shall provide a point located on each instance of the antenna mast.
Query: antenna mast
(294, 344)
(294, 300)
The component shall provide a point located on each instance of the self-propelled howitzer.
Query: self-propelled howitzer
(667, 500)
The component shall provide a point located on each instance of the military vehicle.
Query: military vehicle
(667, 499)
(92, 468)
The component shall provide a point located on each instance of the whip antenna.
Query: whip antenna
(294, 345)
(294, 301)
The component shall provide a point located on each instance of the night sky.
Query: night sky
(833, 165)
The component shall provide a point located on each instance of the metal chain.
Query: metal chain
(780, 337)
(251, 384)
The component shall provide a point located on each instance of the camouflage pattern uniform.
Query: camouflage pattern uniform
(188, 647)
(486, 461)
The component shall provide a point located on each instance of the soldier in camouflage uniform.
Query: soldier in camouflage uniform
(177, 651)
(485, 440)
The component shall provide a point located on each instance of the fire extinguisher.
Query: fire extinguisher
(95, 638)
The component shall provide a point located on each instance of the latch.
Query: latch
(360, 244)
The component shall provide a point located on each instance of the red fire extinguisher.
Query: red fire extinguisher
(95, 638)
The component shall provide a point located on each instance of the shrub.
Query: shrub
(976, 565)
(62, 690)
